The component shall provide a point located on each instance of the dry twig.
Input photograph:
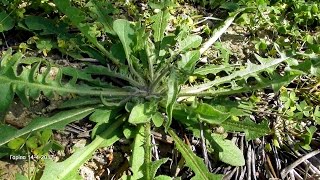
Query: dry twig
(286, 170)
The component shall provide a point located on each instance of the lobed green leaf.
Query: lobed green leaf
(160, 22)
(251, 129)
(77, 16)
(173, 88)
(125, 31)
(228, 152)
(190, 42)
(189, 60)
(141, 113)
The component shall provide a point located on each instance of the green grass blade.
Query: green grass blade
(192, 161)
(58, 121)
(219, 31)
(68, 169)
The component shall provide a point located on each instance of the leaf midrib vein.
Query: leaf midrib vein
(234, 75)
(104, 92)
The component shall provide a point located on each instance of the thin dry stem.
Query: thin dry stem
(286, 170)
